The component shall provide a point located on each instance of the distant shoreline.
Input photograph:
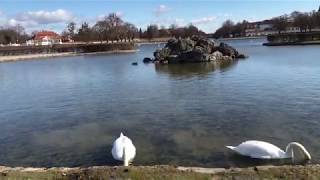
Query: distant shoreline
(153, 41)
(302, 43)
(53, 55)
(293, 39)
(243, 38)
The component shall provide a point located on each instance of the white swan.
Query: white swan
(265, 150)
(123, 149)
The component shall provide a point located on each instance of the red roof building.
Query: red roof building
(45, 38)
(47, 34)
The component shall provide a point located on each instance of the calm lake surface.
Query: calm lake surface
(68, 111)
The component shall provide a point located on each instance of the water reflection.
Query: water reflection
(190, 70)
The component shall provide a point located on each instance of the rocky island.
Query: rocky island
(195, 49)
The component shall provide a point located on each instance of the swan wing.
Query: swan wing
(260, 150)
(131, 151)
(117, 149)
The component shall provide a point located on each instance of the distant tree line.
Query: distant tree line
(110, 28)
(304, 21)
(113, 29)
(153, 31)
(229, 28)
(13, 35)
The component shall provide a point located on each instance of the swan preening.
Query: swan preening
(265, 150)
(123, 149)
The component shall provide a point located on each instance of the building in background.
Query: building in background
(260, 28)
(45, 38)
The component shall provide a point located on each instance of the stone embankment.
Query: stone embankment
(162, 172)
(16, 53)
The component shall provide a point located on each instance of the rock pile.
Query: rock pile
(195, 49)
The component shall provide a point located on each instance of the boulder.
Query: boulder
(161, 54)
(241, 56)
(177, 46)
(147, 60)
(196, 55)
(227, 50)
(207, 45)
(217, 55)
(172, 59)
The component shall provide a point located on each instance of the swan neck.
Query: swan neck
(290, 150)
(125, 158)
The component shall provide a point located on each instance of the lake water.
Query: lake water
(68, 111)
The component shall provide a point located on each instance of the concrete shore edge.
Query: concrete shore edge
(162, 172)
(52, 55)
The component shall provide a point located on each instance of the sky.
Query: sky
(208, 15)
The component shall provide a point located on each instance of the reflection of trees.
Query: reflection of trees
(190, 70)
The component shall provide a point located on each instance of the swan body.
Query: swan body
(265, 150)
(123, 149)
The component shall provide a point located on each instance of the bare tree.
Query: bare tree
(280, 23)
(313, 20)
(113, 28)
(225, 30)
(101, 29)
(131, 31)
(71, 27)
(84, 33)
(152, 31)
(114, 22)
(14, 34)
(164, 32)
(301, 21)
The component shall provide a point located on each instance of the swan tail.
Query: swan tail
(230, 147)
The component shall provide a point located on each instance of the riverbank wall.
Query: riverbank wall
(292, 43)
(153, 40)
(17, 53)
(290, 39)
(53, 55)
(161, 172)
(65, 48)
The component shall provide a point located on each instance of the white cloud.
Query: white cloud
(37, 20)
(13, 22)
(161, 10)
(204, 20)
(45, 17)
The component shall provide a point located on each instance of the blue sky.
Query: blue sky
(207, 15)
